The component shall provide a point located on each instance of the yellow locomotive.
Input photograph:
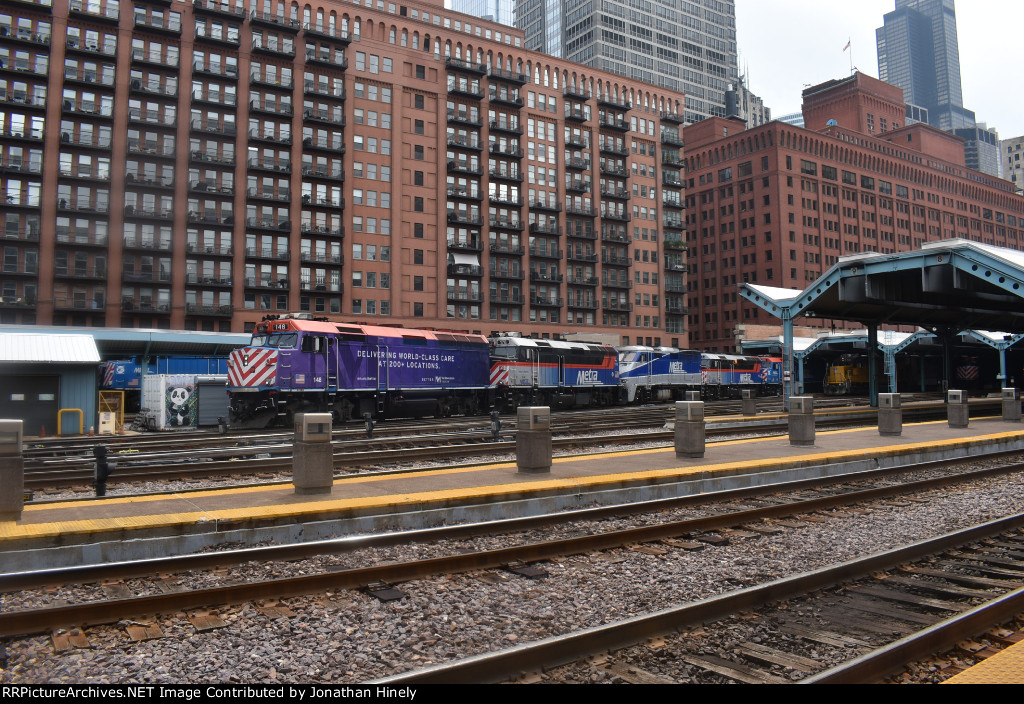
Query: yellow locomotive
(848, 374)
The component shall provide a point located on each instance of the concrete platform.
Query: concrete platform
(1005, 667)
(112, 528)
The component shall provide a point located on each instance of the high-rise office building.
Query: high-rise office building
(918, 51)
(687, 47)
(1012, 164)
(981, 148)
(502, 11)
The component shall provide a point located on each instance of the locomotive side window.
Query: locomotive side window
(313, 344)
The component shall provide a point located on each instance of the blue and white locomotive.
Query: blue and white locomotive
(666, 374)
(527, 371)
(658, 373)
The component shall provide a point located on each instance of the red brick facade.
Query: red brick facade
(778, 205)
(198, 165)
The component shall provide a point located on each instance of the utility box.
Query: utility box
(801, 404)
(315, 427)
(11, 437)
(12, 469)
(890, 415)
(533, 439)
(1011, 405)
(312, 454)
(748, 404)
(533, 418)
(958, 411)
(801, 421)
(690, 430)
(108, 423)
(889, 401)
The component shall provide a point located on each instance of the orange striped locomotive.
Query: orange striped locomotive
(298, 364)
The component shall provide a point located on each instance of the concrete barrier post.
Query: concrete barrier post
(12, 470)
(312, 454)
(533, 439)
(689, 433)
(1011, 405)
(801, 420)
(749, 403)
(890, 415)
(957, 409)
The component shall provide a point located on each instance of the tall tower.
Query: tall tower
(494, 10)
(688, 47)
(918, 51)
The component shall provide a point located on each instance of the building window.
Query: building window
(417, 126)
(417, 256)
(417, 204)
(417, 152)
(417, 178)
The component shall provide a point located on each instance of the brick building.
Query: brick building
(198, 165)
(778, 205)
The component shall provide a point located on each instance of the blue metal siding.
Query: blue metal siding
(78, 389)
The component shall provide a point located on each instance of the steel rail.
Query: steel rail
(344, 456)
(560, 650)
(882, 662)
(179, 563)
(39, 620)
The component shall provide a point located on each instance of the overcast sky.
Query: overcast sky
(786, 44)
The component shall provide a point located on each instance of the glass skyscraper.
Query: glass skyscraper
(918, 51)
(494, 10)
(688, 47)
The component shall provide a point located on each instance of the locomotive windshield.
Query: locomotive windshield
(258, 340)
(503, 352)
(283, 339)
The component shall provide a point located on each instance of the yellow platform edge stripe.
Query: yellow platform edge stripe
(10, 530)
(1005, 667)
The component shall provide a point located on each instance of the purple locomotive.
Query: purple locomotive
(298, 364)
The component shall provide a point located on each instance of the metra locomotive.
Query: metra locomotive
(525, 372)
(667, 373)
(297, 364)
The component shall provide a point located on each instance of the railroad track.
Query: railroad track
(261, 455)
(892, 608)
(797, 498)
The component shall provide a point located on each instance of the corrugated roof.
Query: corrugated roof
(56, 349)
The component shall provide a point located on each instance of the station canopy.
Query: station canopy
(113, 343)
(953, 284)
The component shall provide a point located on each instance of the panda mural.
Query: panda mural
(181, 406)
